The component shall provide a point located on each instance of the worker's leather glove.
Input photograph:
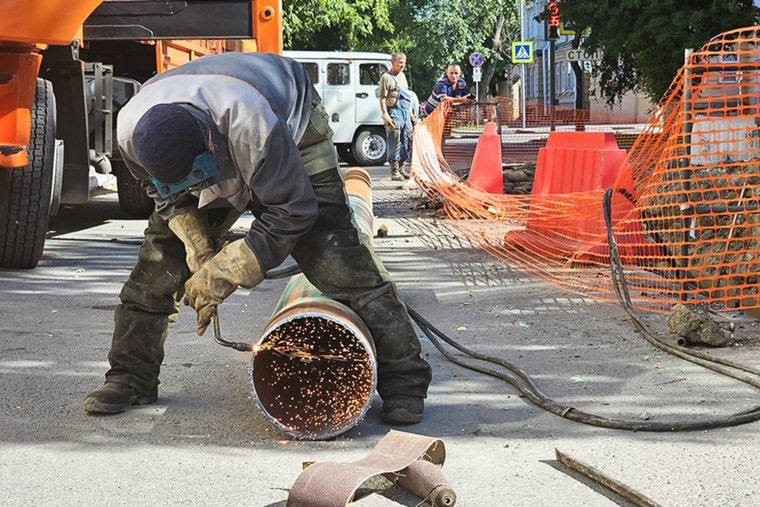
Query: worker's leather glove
(389, 125)
(234, 265)
(192, 228)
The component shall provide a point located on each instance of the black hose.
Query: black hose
(621, 292)
(528, 388)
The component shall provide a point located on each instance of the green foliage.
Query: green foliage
(437, 33)
(433, 33)
(643, 41)
(333, 24)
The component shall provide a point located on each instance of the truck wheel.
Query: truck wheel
(369, 147)
(132, 197)
(26, 193)
(344, 152)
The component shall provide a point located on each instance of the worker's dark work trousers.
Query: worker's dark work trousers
(330, 255)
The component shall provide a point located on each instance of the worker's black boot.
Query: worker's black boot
(402, 170)
(141, 323)
(403, 409)
(395, 173)
(114, 398)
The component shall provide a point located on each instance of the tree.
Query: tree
(435, 33)
(643, 41)
(333, 24)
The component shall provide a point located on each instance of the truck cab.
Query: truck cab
(66, 68)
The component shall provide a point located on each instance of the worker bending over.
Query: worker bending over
(210, 139)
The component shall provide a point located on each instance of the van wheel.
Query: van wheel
(369, 147)
(26, 192)
(344, 152)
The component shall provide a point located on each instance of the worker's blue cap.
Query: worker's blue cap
(166, 141)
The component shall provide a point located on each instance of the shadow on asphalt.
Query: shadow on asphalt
(102, 207)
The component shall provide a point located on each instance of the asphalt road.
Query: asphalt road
(204, 443)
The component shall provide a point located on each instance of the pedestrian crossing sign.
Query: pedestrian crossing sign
(522, 52)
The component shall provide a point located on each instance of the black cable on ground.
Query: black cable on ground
(622, 294)
(528, 388)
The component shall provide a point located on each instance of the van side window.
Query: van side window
(312, 69)
(369, 73)
(338, 74)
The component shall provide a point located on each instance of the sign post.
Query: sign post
(552, 34)
(522, 67)
(476, 60)
(522, 53)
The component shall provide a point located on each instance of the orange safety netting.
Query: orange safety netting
(685, 197)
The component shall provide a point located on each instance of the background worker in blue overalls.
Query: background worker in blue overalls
(395, 105)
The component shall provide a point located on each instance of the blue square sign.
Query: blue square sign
(522, 52)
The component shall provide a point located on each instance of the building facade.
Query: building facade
(633, 108)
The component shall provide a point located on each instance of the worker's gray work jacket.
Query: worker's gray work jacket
(259, 107)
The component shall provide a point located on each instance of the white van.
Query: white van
(347, 82)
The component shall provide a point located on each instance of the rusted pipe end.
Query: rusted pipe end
(359, 183)
(442, 496)
(313, 371)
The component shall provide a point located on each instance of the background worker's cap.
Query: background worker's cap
(166, 141)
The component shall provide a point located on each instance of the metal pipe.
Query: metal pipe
(685, 175)
(314, 369)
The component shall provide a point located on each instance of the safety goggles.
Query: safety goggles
(200, 176)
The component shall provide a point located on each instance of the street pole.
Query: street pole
(522, 65)
(552, 75)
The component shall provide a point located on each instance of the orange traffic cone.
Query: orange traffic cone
(485, 171)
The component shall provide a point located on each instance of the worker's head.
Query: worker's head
(453, 72)
(398, 63)
(171, 146)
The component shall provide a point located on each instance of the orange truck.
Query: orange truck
(67, 68)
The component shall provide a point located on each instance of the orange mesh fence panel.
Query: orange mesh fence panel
(685, 206)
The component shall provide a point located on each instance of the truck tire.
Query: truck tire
(369, 146)
(133, 200)
(26, 193)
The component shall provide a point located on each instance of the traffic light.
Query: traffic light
(552, 20)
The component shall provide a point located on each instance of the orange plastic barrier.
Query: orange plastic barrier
(686, 201)
(486, 170)
(574, 162)
(577, 162)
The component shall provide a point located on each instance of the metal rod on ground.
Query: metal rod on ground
(314, 368)
(598, 477)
